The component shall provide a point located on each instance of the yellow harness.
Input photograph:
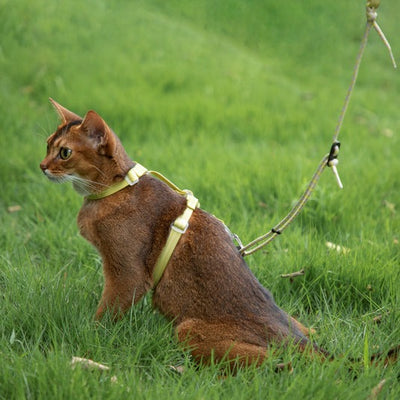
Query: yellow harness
(178, 227)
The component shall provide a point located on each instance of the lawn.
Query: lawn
(238, 101)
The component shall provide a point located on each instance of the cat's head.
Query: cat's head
(84, 151)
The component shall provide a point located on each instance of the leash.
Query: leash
(331, 159)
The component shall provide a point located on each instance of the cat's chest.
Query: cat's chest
(103, 224)
(88, 220)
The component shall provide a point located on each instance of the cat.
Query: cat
(220, 311)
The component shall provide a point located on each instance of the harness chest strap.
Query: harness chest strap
(178, 227)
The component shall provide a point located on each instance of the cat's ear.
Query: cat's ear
(99, 133)
(65, 115)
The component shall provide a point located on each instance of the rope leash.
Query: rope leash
(263, 240)
(331, 159)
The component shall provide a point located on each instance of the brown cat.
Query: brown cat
(218, 307)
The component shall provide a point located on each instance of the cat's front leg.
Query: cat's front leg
(113, 302)
(122, 288)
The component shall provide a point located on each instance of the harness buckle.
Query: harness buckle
(191, 201)
(180, 225)
(131, 177)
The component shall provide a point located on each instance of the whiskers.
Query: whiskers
(57, 178)
(99, 171)
(85, 186)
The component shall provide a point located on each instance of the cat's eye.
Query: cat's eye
(65, 153)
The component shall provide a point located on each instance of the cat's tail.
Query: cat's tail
(380, 359)
(386, 358)
(383, 358)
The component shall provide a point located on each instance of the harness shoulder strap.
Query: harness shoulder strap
(178, 228)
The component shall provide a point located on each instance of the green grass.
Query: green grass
(237, 101)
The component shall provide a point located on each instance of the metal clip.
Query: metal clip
(333, 161)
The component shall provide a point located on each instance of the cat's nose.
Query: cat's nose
(43, 166)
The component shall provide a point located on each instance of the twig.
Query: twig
(372, 5)
(338, 248)
(13, 209)
(88, 364)
(376, 390)
(179, 369)
(294, 274)
(378, 319)
(284, 367)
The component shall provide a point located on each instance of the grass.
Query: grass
(238, 102)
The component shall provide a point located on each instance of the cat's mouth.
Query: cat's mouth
(57, 178)
(83, 186)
